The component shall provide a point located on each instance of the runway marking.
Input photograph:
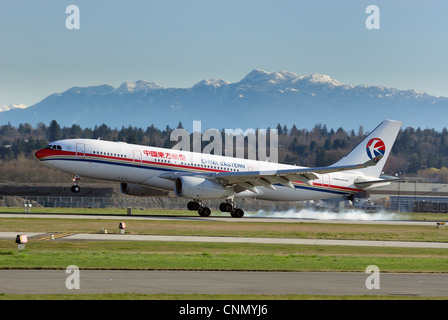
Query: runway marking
(51, 236)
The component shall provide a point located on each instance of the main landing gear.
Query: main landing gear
(199, 207)
(75, 188)
(228, 206)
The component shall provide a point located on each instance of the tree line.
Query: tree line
(415, 152)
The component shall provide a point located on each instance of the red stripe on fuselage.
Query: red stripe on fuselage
(44, 153)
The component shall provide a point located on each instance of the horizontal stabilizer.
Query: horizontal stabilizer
(368, 183)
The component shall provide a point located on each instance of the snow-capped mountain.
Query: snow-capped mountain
(261, 99)
(8, 107)
(139, 85)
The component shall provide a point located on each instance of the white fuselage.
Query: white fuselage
(136, 164)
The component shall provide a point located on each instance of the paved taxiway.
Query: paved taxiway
(206, 239)
(221, 282)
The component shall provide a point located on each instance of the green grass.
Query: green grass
(235, 228)
(215, 256)
(208, 261)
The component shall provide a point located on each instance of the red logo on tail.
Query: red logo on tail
(375, 147)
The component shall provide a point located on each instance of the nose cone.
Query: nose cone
(41, 154)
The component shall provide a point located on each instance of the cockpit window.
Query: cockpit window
(54, 147)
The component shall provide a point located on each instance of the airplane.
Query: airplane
(200, 177)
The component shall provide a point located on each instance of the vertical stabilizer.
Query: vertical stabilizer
(378, 142)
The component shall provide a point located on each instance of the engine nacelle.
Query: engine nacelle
(199, 188)
(136, 190)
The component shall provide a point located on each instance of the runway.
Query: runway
(221, 282)
(213, 218)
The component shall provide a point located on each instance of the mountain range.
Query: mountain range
(260, 100)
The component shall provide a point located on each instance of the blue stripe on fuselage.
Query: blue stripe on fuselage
(177, 169)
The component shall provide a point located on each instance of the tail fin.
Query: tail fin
(378, 142)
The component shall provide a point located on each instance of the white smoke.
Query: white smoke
(349, 214)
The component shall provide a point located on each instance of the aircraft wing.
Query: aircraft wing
(248, 180)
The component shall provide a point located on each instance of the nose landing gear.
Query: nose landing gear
(75, 188)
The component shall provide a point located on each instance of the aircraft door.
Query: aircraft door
(80, 150)
(326, 180)
(137, 156)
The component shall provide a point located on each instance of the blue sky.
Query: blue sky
(178, 43)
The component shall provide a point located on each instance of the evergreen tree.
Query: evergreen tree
(54, 131)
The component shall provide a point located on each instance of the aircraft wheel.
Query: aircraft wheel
(196, 205)
(75, 189)
(193, 206)
(204, 211)
(226, 207)
(237, 213)
(229, 207)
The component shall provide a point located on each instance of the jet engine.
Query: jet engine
(199, 188)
